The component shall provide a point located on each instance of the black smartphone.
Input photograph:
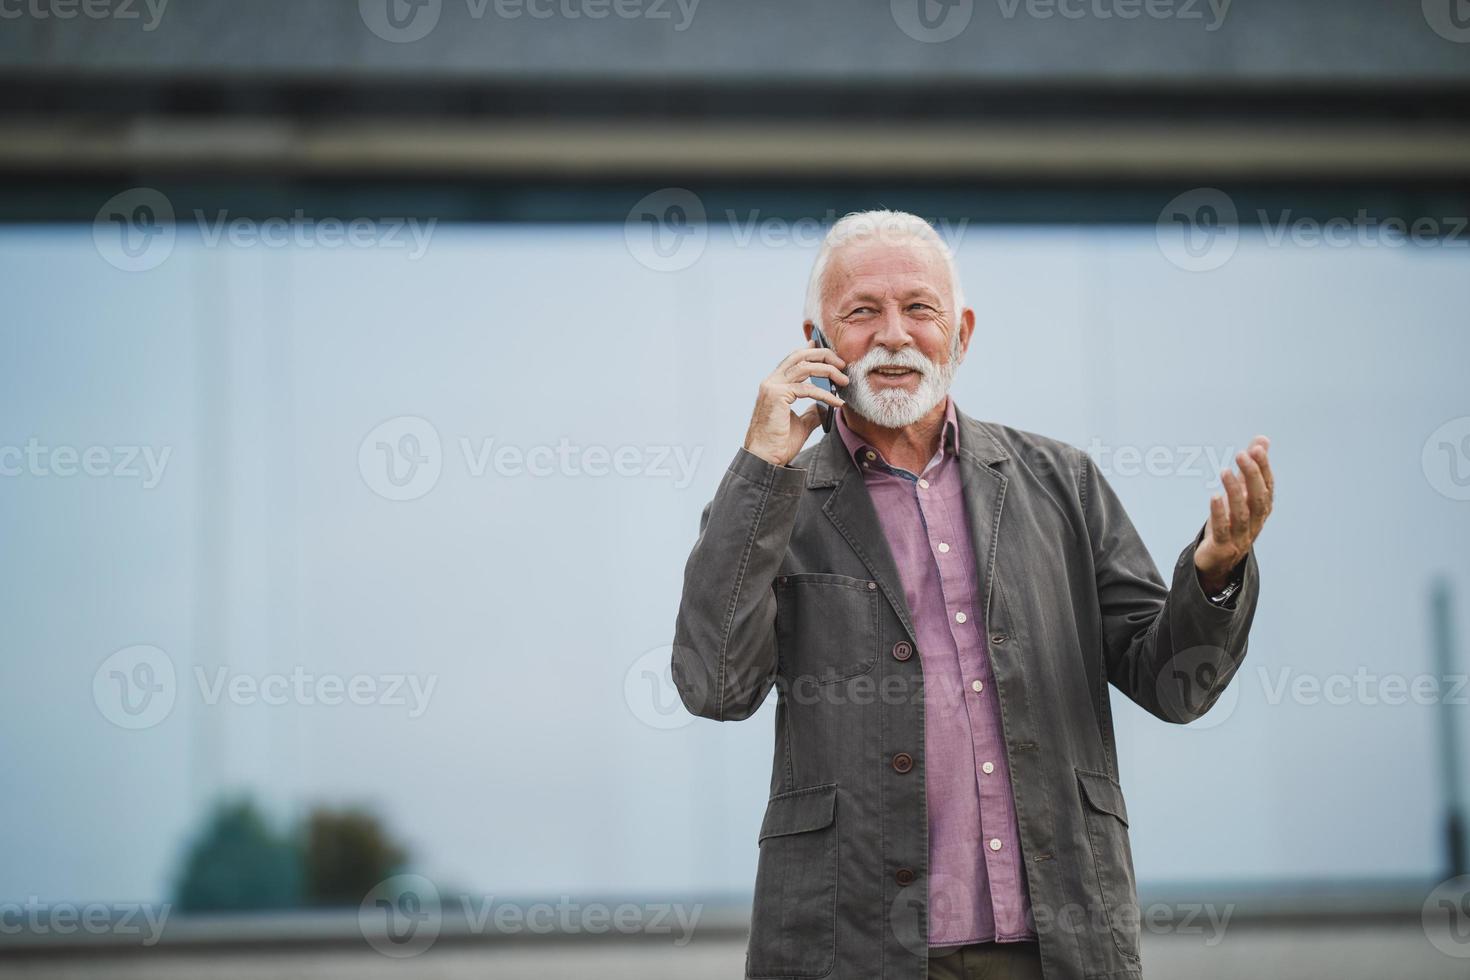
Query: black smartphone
(826, 384)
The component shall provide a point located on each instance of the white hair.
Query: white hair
(888, 226)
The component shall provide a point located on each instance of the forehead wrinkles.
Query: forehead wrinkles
(885, 269)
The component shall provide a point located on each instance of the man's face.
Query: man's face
(887, 307)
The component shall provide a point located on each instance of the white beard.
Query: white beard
(894, 408)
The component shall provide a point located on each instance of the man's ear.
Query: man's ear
(967, 328)
(807, 328)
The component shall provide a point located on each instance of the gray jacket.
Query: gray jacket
(791, 585)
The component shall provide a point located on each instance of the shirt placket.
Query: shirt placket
(941, 505)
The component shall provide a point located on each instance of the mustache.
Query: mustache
(908, 357)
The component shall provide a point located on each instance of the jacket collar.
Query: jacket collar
(851, 511)
(831, 461)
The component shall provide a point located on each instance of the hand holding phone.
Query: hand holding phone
(814, 371)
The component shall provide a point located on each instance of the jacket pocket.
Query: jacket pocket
(826, 626)
(1106, 817)
(793, 926)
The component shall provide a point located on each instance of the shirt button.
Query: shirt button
(902, 650)
(870, 454)
(959, 617)
(995, 843)
(904, 877)
(923, 484)
(977, 686)
(988, 768)
(903, 762)
(943, 548)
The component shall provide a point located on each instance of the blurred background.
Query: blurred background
(365, 366)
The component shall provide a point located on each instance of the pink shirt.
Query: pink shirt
(977, 886)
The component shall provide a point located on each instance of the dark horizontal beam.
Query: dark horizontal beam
(49, 94)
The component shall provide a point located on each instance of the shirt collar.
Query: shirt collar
(856, 445)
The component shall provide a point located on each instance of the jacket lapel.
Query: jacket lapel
(851, 511)
(985, 492)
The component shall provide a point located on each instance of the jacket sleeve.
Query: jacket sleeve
(724, 658)
(1169, 649)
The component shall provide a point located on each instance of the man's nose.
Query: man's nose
(892, 333)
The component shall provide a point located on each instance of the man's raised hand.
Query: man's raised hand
(776, 432)
(1236, 516)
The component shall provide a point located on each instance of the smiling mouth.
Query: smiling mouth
(895, 373)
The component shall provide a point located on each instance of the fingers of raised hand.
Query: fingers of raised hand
(1237, 501)
(1219, 520)
(1260, 451)
(810, 352)
(805, 389)
(801, 370)
(1258, 495)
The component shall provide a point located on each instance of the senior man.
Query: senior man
(941, 604)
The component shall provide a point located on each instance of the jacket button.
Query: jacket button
(903, 762)
(904, 877)
(998, 638)
(872, 586)
(902, 650)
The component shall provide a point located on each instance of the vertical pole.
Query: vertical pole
(1449, 739)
